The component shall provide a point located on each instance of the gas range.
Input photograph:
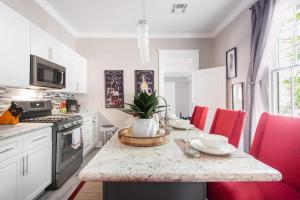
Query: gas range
(61, 121)
(66, 157)
(41, 112)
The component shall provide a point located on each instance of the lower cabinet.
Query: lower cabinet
(37, 171)
(28, 173)
(89, 133)
(10, 177)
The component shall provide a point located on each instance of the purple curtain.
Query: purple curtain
(261, 17)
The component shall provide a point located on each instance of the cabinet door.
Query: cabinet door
(82, 79)
(87, 136)
(10, 173)
(37, 171)
(42, 44)
(14, 48)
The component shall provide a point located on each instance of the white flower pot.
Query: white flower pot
(144, 128)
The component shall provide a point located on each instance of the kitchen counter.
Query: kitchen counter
(166, 173)
(167, 163)
(87, 113)
(7, 131)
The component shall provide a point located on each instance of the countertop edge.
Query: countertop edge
(269, 177)
(15, 133)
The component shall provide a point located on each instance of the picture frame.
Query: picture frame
(231, 63)
(114, 88)
(238, 96)
(144, 80)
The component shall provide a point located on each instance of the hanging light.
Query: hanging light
(143, 37)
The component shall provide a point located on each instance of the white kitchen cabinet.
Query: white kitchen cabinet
(46, 46)
(10, 174)
(37, 171)
(80, 74)
(42, 44)
(14, 48)
(89, 133)
(27, 170)
(76, 70)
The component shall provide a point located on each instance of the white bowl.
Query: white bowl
(213, 140)
(182, 122)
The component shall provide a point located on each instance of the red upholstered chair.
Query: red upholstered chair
(276, 143)
(193, 115)
(200, 115)
(229, 123)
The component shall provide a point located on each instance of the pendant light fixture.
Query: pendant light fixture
(143, 36)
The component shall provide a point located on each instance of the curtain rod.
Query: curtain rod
(250, 8)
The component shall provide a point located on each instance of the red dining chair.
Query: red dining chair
(200, 116)
(229, 123)
(193, 115)
(276, 143)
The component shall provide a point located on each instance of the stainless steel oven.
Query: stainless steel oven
(44, 73)
(68, 157)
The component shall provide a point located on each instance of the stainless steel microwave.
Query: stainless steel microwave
(44, 73)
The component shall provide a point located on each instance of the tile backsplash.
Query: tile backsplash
(10, 94)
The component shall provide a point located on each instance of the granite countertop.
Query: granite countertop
(87, 113)
(7, 131)
(167, 163)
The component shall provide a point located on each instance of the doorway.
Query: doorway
(175, 79)
(185, 85)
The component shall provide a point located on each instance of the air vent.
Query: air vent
(178, 8)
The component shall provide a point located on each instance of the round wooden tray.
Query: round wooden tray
(125, 137)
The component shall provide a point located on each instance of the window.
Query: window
(286, 75)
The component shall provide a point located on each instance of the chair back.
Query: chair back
(229, 123)
(200, 117)
(193, 115)
(277, 143)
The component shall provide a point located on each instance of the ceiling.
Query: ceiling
(118, 18)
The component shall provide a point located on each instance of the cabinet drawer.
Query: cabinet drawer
(9, 148)
(36, 138)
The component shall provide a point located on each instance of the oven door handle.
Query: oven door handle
(67, 133)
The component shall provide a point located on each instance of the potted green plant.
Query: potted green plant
(143, 107)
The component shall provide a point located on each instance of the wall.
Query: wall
(30, 10)
(103, 54)
(237, 34)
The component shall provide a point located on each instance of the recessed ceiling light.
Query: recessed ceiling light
(178, 8)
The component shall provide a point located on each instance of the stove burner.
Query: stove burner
(52, 118)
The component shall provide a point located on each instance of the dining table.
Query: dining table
(166, 172)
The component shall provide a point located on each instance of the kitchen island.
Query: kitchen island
(165, 172)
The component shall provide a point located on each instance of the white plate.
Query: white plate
(183, 126)
(228, 149)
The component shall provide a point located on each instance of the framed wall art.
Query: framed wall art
(114, 89)
(144, 81)
(238, 96)
(231, 64)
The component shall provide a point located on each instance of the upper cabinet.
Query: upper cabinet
(47, 47)
(14, 48)
(19, 38)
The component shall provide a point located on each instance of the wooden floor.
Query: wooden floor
(66, 190)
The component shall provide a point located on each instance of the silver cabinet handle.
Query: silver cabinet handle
(37, 139)
(23, 166)
(26, 169)
(6, 150)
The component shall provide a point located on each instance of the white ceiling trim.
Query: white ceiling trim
(225, 22)
(233, 14)
(151, 35)
(56, 16)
